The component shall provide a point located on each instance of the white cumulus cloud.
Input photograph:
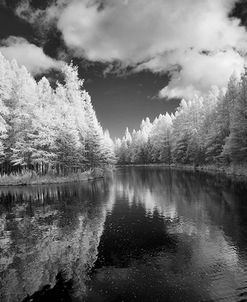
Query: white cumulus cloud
(197, 35)
(27, 54)
(198, 72)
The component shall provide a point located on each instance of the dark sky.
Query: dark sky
(119, 100)
(125, 101)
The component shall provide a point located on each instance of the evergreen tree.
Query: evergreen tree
(236, 143)
(94, 136)
(47, 129)
(108, 149)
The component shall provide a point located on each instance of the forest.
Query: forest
(53, 129)
(205, 130)
(49, 129)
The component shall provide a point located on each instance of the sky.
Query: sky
(138, 57)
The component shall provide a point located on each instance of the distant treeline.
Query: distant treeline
(45, 129)
(204, 130)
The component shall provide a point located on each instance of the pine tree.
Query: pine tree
(94, 136)
(25, 100)
(108, 149)
(236, 143)
(43, 129)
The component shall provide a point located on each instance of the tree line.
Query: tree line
(48, 129)
(204, 130)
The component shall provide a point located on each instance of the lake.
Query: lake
(141, 234)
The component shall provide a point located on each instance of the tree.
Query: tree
(94, 136)
(160, 139)
(236, 143)
(43, 128)
(108, 149)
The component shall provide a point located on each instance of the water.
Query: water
(144, 234)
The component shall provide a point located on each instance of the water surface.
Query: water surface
(145, 234)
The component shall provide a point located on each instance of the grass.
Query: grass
(28, 177)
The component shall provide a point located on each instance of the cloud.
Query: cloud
(198, 72)
(29, 55)
(140, 33)
(44, 16)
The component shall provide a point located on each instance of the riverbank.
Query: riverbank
(239, 171)
(31, 178)
(233, 171)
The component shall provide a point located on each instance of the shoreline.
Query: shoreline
(30, 179)
(237, 171)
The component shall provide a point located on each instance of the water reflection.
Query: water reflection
(47, 230)
(147, 234)
(172, 236)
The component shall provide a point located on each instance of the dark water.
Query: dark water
(144, 234)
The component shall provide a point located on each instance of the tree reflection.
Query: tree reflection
(145, 228)
(46, 230)
(172, 230)
(62, 291)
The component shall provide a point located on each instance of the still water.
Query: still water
(142, 234)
